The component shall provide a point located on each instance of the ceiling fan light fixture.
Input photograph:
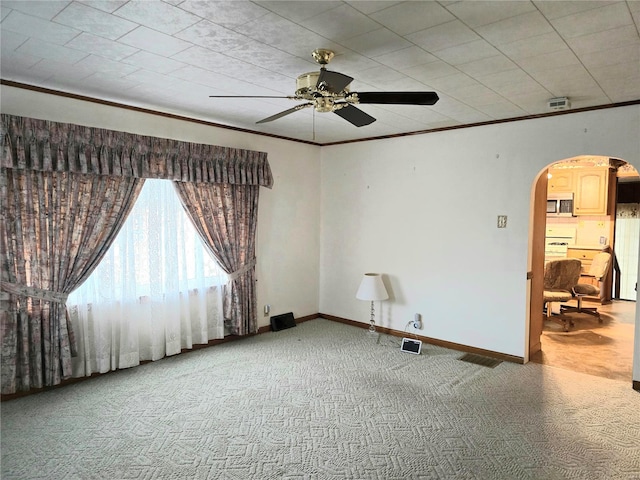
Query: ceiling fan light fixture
(323, 104)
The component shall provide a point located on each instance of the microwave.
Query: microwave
(560, 204)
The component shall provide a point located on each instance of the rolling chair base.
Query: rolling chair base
(580, 309)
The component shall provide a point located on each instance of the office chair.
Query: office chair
(598, 270)
(560, 278)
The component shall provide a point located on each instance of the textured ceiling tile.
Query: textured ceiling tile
(372, 6)
(410, 17)
(478, 13)
(152, 78)
(376, 43)
(406, 58)
(286, 35)
(106, 82)
(515, 28)
(46, 9)
(599, 41)
(561, 8)
(61, 70)
(94, 21)
(443, 36)
(221, 82)
(484, 66)
(565, 81)
(153, 62)
(454, 82)
(430, 71)
(213, 36)
(340, 23)
(9, 40)
(459, 111)
(467, 52)
(350, 62)
(475, 95)
(4, 12)
(99, 64)
(38, 48)
(531, 47)
(108, 6)
(502, 109)
(14, 63)
(595, 20)
(255, 53)
(202, 57)
(612, 56)
(512, 82)
(154, 42)
(158, 15)
(225, 13)
(101, 46)
(270, 58)
(565, 58)
(298, 11)
(38, 28)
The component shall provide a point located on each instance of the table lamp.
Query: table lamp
(372, 289)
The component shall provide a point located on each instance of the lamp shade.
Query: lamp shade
(372, 288)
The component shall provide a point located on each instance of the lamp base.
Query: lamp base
(372, 327)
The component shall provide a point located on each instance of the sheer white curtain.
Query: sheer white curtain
(156, 291)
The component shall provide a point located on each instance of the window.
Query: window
(156, 291)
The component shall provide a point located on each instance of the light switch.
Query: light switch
(502, 221)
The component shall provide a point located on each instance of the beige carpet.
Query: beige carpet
(325, 400)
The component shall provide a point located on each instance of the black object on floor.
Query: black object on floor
(280, 322)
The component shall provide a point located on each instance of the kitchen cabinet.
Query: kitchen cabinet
(592, 191)
(561, 180)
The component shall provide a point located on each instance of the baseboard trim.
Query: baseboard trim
(432, 341)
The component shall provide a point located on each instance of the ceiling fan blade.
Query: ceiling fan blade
(286, 112)
(398, 98)
(354, 115)
(333, 82)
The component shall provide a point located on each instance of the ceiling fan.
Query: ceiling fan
(328, 91)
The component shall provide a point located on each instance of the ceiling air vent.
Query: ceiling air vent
(559, 103)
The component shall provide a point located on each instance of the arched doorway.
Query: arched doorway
(585, 348)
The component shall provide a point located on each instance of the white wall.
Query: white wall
(423, 211)
(288, 237)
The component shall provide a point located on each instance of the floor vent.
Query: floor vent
(480, 360)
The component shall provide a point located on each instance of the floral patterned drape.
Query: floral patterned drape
(64, 191)
(226, 217)
(53, 237)
(51, 146)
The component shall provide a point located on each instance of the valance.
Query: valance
(44, 145)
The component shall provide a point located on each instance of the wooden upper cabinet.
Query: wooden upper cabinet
(561, 180)
(591, 192)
